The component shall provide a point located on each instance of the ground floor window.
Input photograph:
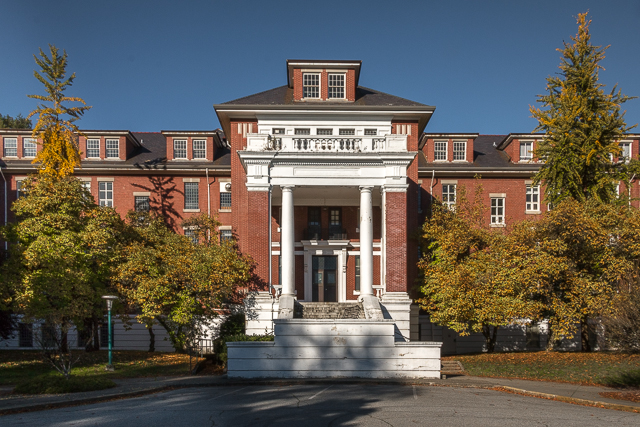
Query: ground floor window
(497, 211)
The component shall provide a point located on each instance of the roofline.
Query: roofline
(357, 64)
(94, 132)
(189, 132)
(507, 140)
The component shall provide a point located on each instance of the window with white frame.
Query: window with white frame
(618, 189)
(357, 273)
(191, 235)
(371, 132)
(179, 148)
(310, 85)
(10, 147)
(18, 188)
(459, 150)
(625, 152)
(29, 147)
(533, 198)
(347, 132)
(497, 211)
(113, 150)
(87, 185)
(325, 131)
(199, 149)
(336, 85)
(449, 195)
(105, 193)
(93, 148)
(440, 150)
(191, 195)
(526, 150)
(226, 235)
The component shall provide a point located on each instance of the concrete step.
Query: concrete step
(451, 367)
(328, 310)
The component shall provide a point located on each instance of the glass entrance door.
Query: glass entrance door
(324, 278)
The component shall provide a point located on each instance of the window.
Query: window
(18, 188)
(191, 235)
(310, 85)
(440, 150)
(449, 196)
(225, 200)
(142, 204)
(199, 151)
(533, 198)
(459, 150)
(104, 335)
(179, 148)
(25, 335)
(625, 154)
(93, 148)
(497, 211)
(226, 235)
(336, 86)
(87, 186)
(325, 131)
(112, 148)
(302, 131)
(278, 131)
(358, 273)
(11, 147)
(191, 195)
(105, 193)
(526, 150)
(29, 147)
(313, 223)
(334, 217)
(371, 132)
(347, 132)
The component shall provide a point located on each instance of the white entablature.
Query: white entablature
(327, 143)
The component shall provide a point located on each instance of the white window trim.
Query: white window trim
(193, 150)
(112, 192)
(464, 151)
(446, 151)
(24, 148)
(106, 148)
(4, 147)
(87, 146)
(529, 184)
(625, 159)
(344, 85)
(530, 157)
(502, 196)
(319, 84)
(186, 151)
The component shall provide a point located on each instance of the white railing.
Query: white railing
(319, 144)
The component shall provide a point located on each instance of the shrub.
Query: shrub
(58, 384)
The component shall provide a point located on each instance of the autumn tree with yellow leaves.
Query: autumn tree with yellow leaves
(582, 126)
(56, 128)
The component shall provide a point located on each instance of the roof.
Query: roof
(283, 95)
(486, 158)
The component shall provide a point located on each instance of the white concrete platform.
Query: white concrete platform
(347, 348)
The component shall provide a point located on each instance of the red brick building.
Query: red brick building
(324, 182)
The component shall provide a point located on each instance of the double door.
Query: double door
(324, 274)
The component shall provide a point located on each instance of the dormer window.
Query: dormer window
(440, 151)
(526, 150)
(625, 152)
(112, 148)
(179, 148)
(459, 150)
(93, 148)
(199, 149)
(311, 85)
(29, 147)
(11, 147)
(336, 86)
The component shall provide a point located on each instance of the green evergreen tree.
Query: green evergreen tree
(17, 122)
(582, 126)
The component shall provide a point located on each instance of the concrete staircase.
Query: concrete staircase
(328, 310)
(451, 367)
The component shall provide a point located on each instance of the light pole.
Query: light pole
(110, 299)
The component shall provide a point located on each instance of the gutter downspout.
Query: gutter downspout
(6, 244)
(206, 171)
(433, 175)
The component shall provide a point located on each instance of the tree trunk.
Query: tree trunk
(490, 337)
(178, 346)
(584, 334)
(152, 339)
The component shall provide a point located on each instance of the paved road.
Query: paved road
(323, 405)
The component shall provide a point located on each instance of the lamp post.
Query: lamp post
(110, 299)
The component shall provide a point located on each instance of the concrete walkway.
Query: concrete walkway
(571, 393)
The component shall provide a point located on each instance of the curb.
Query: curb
(574, 400)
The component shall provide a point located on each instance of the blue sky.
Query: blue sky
(160, 65)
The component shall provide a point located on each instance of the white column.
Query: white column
(287, 243)
(366, 242)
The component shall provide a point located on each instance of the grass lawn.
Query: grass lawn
(18, 365)
(598, 368)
